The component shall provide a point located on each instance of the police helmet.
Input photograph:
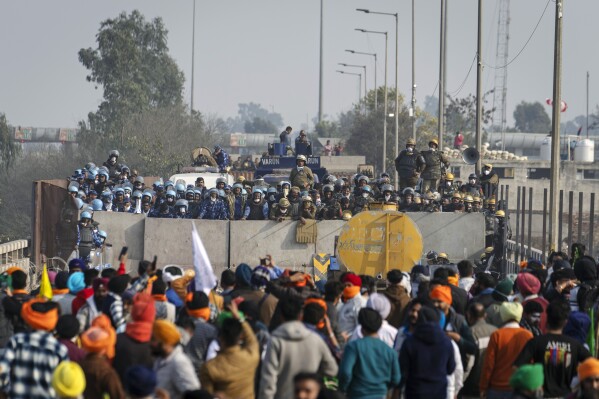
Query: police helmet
(301, 158)
(306, 198)
(217, 147)
(257, 190)
(97, 205)
(408, 191)
(147, 194)
(113, 153)
(366, 189)
(181, 202)
(136, 194)
(73, 188)
(472, 176)
(432, 255)
(330, 179)
(91, 175)
(443, 255)
(365, 178)
(212, 190)
(221, 180)
(410, 141)
(469, 199)
(328, 188)
(103, 173)
(284, 203)
(271, 190)
(79, 203)
(500, 214)
(119, 190)
(103, 234)
(238, 185)
(139, 179)
(476, 199)
(90, 165)
(283, 183)
(85, 215)
(449, 176)
(387, 187)
(125, 169)
(171, 193)
(81, 194)
(180, 188)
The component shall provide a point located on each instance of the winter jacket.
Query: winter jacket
(129, 352)
(267, 303)
(426, 359)
(348, 314)
(293, 349)
(233, 370)
(399, 299)
(175, 374)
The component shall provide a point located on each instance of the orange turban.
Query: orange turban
(453, 280)
(97, 342)
(588, 368)
(40, 314)
(442, 293)
(318, 301)
(166, 332)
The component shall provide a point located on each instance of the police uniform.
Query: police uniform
(301, 178)
(409, 165)
(435, 162)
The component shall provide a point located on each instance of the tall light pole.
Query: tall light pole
(413, 102)
(587, 127)
(554, 183)
(384, 159)
(442, 76)
(358, 66)
(395, 15)
(193, 48)
(375, 86)
(479, 85)
(359, 75)
(321, 62)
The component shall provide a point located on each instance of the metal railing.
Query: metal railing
(531, 226)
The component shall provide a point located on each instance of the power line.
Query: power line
(453, 93)
(525, 44)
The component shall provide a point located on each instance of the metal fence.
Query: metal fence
(530, 227)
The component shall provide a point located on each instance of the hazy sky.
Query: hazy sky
(266, 51)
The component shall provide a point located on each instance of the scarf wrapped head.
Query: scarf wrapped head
(103, 322)
(166, 332)
(198, 305)
(442, 293)
(589, 368)
(143, 313)
(40, 314)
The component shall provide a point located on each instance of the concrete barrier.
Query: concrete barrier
(461, 236)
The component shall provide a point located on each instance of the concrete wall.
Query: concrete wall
(231, 243)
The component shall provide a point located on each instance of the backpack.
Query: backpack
(587, 296)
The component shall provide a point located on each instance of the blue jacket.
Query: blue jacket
(426, 359)
(369, 368)
(216, 210)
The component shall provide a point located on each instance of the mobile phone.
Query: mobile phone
(123, 252)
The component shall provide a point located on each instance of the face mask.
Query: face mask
(257, 200)
(113, 159)
(410, 149)
(487, 172)
(285, 192)
(283, 210)
(472, 181)
(213, 199)
(318, 202)
(448, 184)
(127, 195)
(300, 168)
(267, 262)
(365, 195)
(182, 209)
(387, 197)
(432, 149)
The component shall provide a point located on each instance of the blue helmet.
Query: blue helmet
(79, 203)
(103, 173)
(171, 192)
(85, 215)
(366, 189)
(119, 190)
(271, 190)
(97, 205)
(180, 187)
(103, 234)
(146, 194)
(73, 188)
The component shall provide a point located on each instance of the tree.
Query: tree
(366, 130)
(246, 119)
(9, 149)
(532, 118)
(132, 65)
(460, 113)
(259, 125)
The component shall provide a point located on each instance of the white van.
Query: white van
(209, 173)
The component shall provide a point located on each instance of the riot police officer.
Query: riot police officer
(472, 187)
(435, 161)
(489, 181)
(409, 164)
(111, 164)
(302, 175)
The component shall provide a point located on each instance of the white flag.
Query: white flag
(205, 280)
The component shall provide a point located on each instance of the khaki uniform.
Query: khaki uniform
(302, 179)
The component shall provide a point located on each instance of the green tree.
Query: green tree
(532, 118)
(460, 113)
(259, 125)
(366, 130)
(132, 65)
(327, 128)
(9, 149)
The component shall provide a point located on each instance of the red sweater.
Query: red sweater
(504, 347)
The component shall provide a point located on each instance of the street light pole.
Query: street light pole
(396, 16)
(413, 75)
(359, 75)
(479, 86)
(375, 67)
(321, 62)
(193, 47)
(386, 114)
(554, 183)
(441, 119)
(358, 66)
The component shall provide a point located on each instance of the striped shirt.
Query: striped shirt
(27, 365)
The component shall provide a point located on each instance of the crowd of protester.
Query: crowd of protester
(440, 331)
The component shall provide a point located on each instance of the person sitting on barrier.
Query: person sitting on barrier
(308, 210)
